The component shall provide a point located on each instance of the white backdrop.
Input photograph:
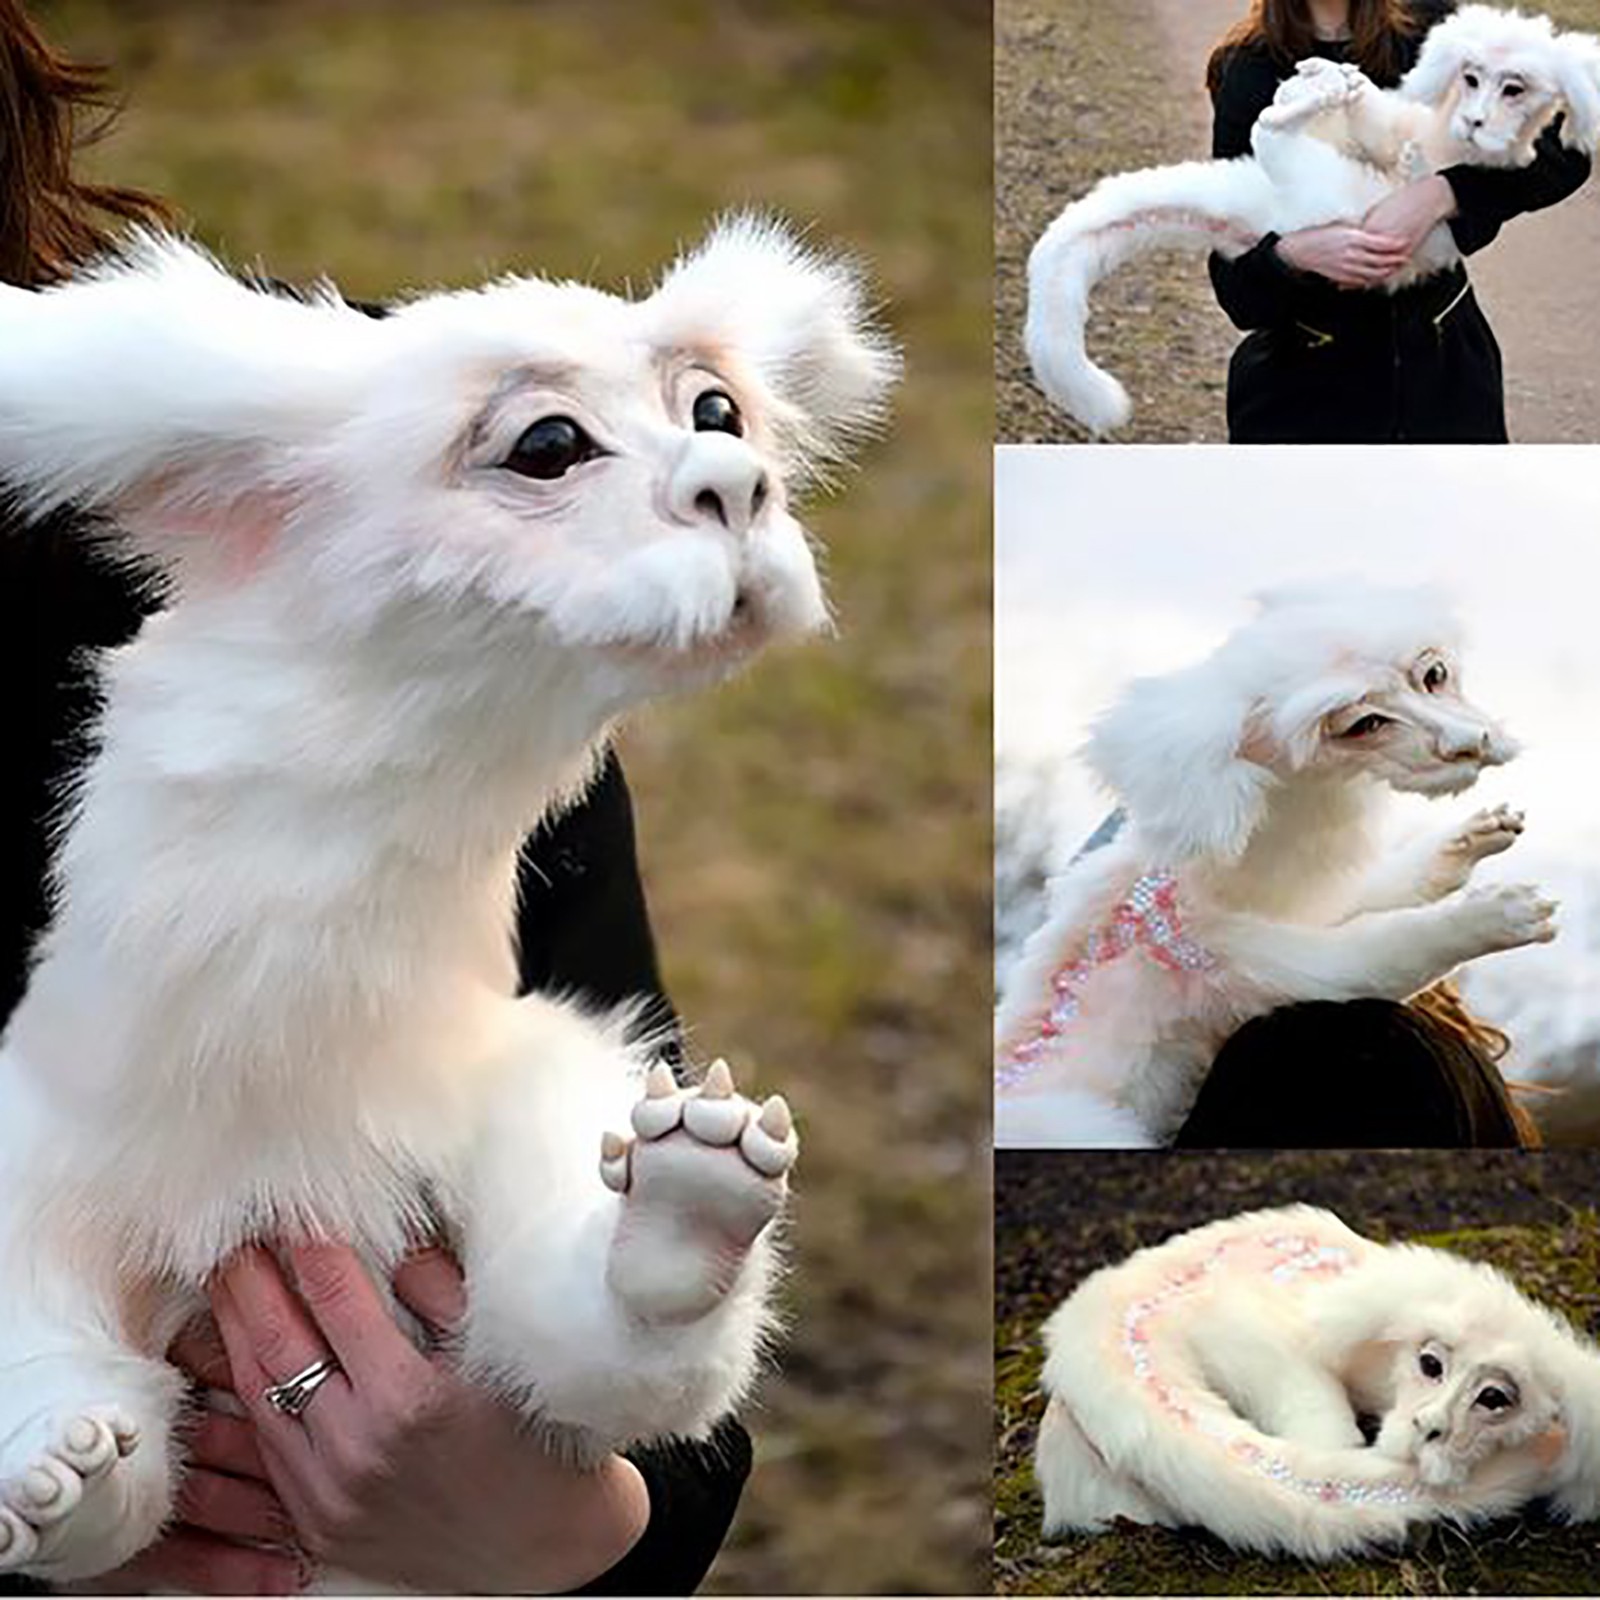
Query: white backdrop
(1103, 574)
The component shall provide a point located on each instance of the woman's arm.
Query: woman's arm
(1488, 197)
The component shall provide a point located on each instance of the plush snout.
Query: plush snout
(719, 478)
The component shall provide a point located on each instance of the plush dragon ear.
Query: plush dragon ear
(1578, 75)
(1443, 54)
(1172, 750)
(159, 390)
(797, 318)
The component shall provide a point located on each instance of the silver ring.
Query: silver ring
(293, 1395)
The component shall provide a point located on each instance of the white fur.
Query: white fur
(1238, 777)
(1284, 1327)
(1327, 150)
(276, 998)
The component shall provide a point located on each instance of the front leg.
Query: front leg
(1383, 955)
(1437, 865)
(623, 1298)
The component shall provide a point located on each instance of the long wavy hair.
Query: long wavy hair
(1378, 29)
(50, 108)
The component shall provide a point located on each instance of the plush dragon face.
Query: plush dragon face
(530, 463)
(1410, 727)
(1503, 77)
(1458, 1404)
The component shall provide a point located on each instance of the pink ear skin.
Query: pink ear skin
(193, 538)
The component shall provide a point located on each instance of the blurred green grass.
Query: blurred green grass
(815, 838)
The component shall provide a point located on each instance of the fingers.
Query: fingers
(430, 1285)
(350, 1314)
(235, 1508)
(226, 1444)
(199, 1351)
(269, 1338)
(191, 1562)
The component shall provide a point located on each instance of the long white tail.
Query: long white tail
(1198, 205)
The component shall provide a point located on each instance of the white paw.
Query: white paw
(70, 1511)
(704, 1174)
(1486, 833)
(1509, 916)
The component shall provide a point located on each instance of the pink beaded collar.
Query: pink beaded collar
(1148, 919)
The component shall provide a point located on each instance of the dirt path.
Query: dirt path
(1156, 321)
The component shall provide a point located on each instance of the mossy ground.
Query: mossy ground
(816, 838)
(1533, 1216)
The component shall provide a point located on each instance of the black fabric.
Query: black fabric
(582, 927)
(691, 1510)
(1357, 1075)
(1324, 365)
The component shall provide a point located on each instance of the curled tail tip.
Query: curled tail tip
(1090, 396)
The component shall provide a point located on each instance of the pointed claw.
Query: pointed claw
(614, 1162)
(719, 1081)
(770, 1152)
(776, 1120)
(659, 1082)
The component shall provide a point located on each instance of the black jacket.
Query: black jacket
(1324, 365)
(582, 928)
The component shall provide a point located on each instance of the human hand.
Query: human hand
(1353, 258)
(397, 1470)
(232, 1535)
(1412, 213)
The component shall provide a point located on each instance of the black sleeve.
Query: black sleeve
(1259, 288)
(582, 924)
(694, 1492)
(1487, 197)
(60, 599)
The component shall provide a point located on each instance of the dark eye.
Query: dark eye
(1432, 1366)
(1472, 80)
(1436, 677)
(551, 448)
(1492, 1399)
(1366, 725)
(715, 412)
(1512, 90)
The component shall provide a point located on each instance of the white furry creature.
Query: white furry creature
(1328, 149)
(1219, 1380)
(419, 567)
(1249, 874)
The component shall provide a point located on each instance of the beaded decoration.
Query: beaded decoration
(1148, 919)
(1293, 1256)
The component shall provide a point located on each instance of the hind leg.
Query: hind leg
(85, 1446)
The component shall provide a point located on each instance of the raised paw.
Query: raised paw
(704, 1173)
(1509, 916)
(1486, 833)
(72, 1511)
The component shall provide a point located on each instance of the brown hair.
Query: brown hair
(1443, 1006)
(50, 221)
(1377, 28)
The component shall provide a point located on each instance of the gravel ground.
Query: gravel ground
(1059, 1217)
